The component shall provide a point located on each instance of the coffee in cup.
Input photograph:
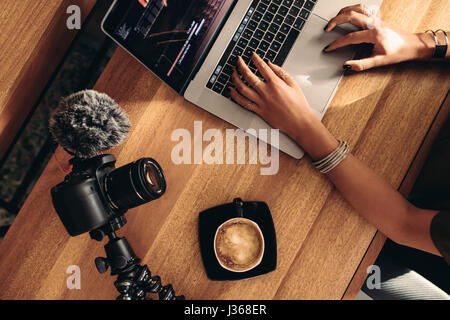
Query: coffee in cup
(239, 245)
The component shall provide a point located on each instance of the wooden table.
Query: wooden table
(33, 40)
(384, 114)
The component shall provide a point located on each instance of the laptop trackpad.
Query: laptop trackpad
(316, 72)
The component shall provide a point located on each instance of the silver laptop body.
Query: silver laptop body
(318, 74)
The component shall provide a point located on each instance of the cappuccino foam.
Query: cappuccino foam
(239, 245)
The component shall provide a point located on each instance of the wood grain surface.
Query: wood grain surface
(383, 114)
(33, 39)
(405, 188)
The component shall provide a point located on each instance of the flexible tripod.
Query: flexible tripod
(134, 281)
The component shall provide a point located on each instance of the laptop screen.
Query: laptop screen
(168, 36)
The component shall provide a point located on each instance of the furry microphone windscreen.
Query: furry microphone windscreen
(88, 122)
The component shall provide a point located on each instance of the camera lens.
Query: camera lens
(153, 177)
(134, 184)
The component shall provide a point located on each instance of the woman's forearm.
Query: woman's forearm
(371, 196)
(382, 205)
(375, 199)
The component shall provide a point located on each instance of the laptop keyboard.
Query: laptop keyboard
(270, 29)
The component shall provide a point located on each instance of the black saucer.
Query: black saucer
(211, 219)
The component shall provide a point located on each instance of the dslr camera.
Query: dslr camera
(95, 195)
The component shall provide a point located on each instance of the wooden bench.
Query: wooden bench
(33, 41)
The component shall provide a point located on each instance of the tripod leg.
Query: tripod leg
(154, 285)
(135, 284)
(134, 281)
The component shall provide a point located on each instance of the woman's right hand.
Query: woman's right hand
(391, 45)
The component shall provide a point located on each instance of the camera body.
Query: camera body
(96, 194)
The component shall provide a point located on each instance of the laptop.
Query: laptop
(192, 46)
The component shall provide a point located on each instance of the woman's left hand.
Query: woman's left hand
(280, 101)
(277, 98)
